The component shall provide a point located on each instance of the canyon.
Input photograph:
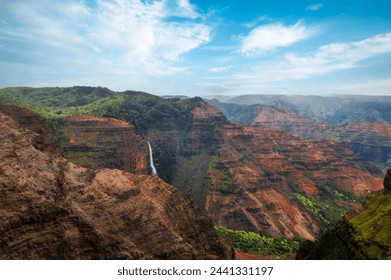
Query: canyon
(261, 175)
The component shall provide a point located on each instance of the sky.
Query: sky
(199, 47)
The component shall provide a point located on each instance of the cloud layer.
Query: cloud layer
(326, 59)
(271, 36)
(118, 37)
(315, 7)
(174, 46)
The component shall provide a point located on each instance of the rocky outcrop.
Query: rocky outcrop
(42, 140)
(53, 209)
(294, 124)
(97, 142)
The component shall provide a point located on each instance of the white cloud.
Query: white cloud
(269, 37)
(185, 9)
(256, 21)
(220, 69)
(328, 58)
(130, 38)
(315, 7)
(140, 29)
(292, 73)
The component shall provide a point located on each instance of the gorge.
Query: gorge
(251, 177)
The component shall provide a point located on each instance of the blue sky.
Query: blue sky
(191, 47)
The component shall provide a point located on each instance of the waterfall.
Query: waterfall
(151, 159)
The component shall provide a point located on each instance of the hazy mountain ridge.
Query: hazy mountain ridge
(335, 110)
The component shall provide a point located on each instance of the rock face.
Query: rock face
(97, 142)
(53, 209)
(365, 234)
(273, 117)
(183, 153)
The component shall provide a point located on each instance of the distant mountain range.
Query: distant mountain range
(335, 110)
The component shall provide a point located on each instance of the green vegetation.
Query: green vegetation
(82, 158)
(325, 210)
(373, 226)
(251, 242)
(60, 134)
(138, 108)
(340, 195)
(55, 103)
(366, 235)
(219, 173)
(89, 140)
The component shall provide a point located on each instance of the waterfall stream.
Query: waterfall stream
(151, 159)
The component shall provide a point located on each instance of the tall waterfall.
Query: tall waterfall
(151, 160)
